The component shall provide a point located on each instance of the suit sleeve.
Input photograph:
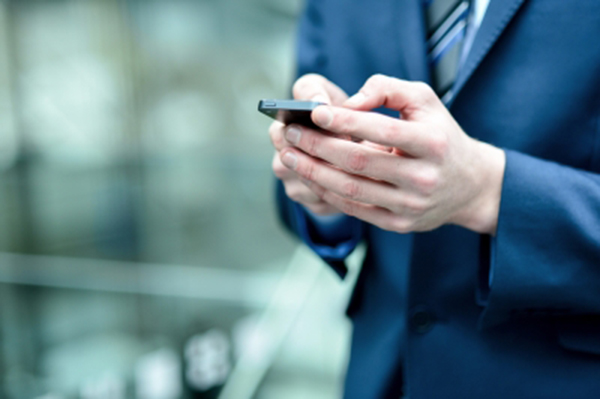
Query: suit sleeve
(332, 248)
(545, 257)
(310, 52)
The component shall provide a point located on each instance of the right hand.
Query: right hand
(314, 88)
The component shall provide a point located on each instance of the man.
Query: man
(480, 206)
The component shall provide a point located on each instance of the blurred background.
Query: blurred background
(140, 256)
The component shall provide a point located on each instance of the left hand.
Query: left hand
(435, 175)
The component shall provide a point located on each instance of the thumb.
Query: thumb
(401, 95)
(311, 87)
(315, 87)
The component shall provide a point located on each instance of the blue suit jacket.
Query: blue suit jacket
(425, 318)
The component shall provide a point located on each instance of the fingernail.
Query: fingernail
(323, 116)
(290, 160)
(293, 134)
(319, 98)
(356, 100)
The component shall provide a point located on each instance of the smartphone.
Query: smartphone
(289, 111)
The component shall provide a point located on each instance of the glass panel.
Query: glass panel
(140, 255)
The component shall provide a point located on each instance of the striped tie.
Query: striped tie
(446, 27)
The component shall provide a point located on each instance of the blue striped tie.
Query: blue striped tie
(446, 27)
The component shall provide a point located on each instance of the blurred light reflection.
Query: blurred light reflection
(140, 256)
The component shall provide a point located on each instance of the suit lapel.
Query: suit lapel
(411, 31)
(496, 19)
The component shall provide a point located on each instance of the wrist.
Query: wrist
(481, 215)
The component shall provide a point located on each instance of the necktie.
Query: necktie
(446, 27)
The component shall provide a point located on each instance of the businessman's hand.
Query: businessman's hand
(315, 88)
(434, 175)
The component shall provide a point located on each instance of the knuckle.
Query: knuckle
(378, 80)
(300, 86)
(421, 87)
(357, 160)
(424, 92)
(304, 86)
(309, 172)
(280, 171)
(388, 134)
(320, 208)
(312, 142)
(348, 207)
(344, 122)
(417, 206)
(398, 205)
(438, 146)
(401, 225)
(293, 192)
(351, 190)
(276, 135)
(426, 181)
(318, 192)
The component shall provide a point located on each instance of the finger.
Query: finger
(280, 170)
(376, 146)
(276, 133)
(317, 88)
(299, 192)
(402, 95)
(343, 184)
(352, 157)
(380, 129)
(323, 208)
(372, 214)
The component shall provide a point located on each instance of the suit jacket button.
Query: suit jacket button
(421, 321)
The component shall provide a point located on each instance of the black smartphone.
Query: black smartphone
(289, 111)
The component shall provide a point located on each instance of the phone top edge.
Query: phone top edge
(291, 105)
